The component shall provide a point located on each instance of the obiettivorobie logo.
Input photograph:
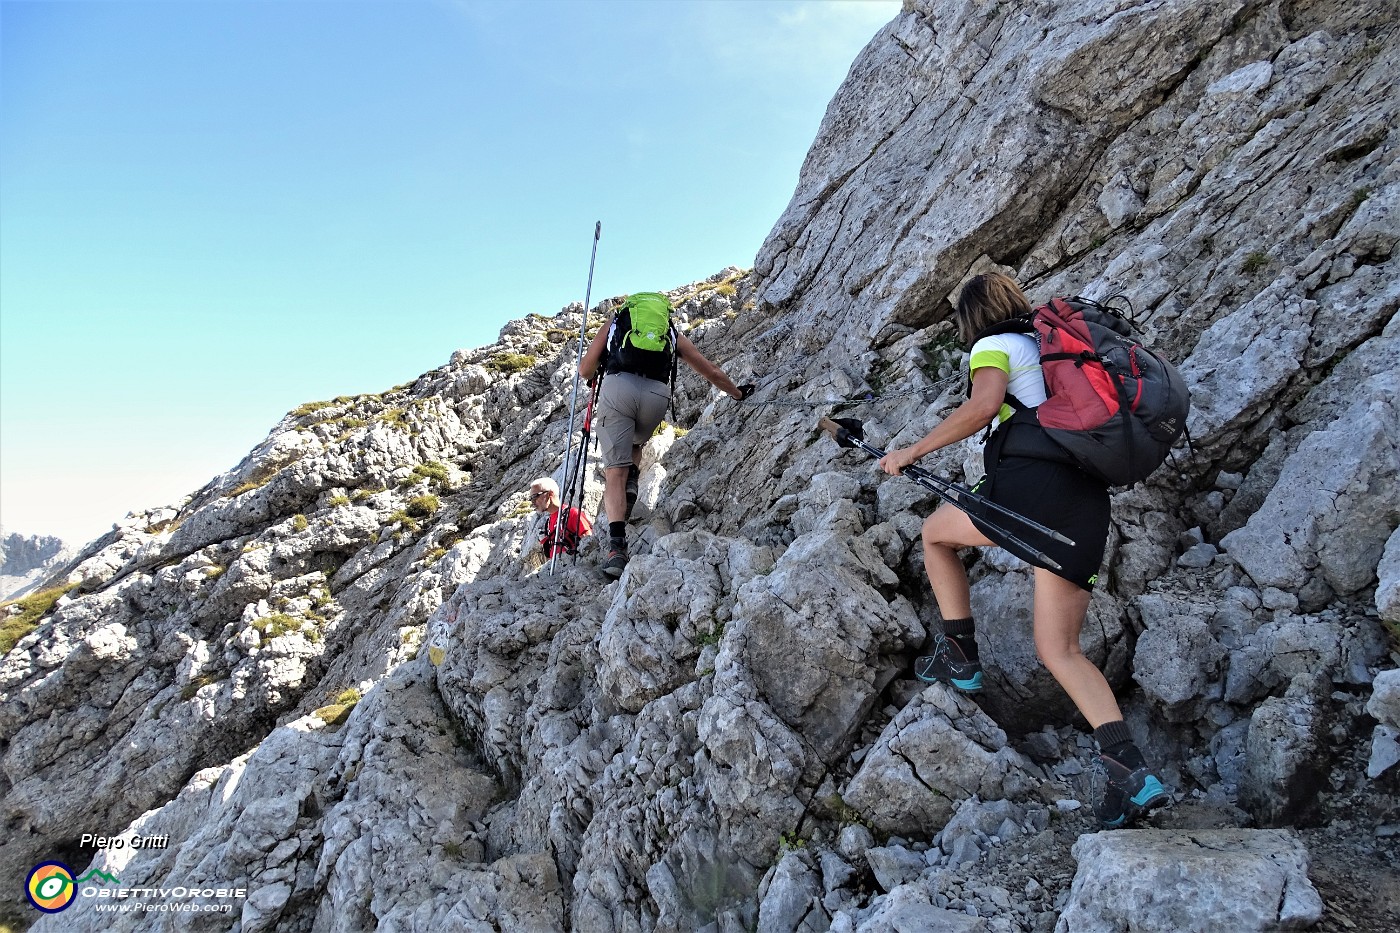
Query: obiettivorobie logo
(51, 886)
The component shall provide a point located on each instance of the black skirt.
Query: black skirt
(1028, 474)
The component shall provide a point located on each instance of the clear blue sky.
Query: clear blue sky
(211, 212)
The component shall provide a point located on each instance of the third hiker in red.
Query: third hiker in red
(544, 496)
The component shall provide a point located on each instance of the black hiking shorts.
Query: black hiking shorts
(1055, 493)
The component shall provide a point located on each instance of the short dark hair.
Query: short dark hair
(988, 299)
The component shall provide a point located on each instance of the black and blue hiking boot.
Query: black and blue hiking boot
(616, 560)
(949, 665)
(1127, 794)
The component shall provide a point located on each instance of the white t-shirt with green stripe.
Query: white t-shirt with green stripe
(1017, 355)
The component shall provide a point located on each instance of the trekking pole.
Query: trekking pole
(573, 401)
(577, 480)
(583, 454)
(849, 433)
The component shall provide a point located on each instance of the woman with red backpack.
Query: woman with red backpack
(1029, 474)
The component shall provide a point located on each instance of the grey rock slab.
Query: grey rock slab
(1179, 665)
(1388, 580)
(1285, 757)
(790, 898)
(1384, 703)
(895, 865)
(814, 635)
(938, 750)
(910, 908)
(1385, 751)
(1163, 882)
(1198, 556)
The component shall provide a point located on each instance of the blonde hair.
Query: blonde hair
(986, 300)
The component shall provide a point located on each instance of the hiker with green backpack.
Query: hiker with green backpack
(637, 352)
(1077, 407)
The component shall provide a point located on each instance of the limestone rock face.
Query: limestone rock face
(336, 678)
(1327, 513)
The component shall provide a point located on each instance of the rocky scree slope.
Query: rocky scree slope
(203, 647)
(329, 677)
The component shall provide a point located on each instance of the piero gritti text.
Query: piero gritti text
(91, 841)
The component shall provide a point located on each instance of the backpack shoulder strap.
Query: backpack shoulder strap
(618, 327)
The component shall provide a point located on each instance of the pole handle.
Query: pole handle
(949, 492)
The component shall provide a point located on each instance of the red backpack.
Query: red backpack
(1115, 406)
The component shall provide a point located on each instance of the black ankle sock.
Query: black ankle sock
(1126, 754)
(617, 531)
(962, 633)
(1116, 742)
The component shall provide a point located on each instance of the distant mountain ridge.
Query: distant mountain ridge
(27, 559)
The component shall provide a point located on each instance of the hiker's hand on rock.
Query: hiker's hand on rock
(895, 461)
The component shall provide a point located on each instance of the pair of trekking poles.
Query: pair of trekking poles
(574, 475)
(848, 433)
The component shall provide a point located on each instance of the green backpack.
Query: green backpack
(642, 340)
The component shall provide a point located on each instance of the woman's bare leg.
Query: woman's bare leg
(946, 530)
(1060, 607)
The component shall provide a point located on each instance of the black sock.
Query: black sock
(1116, 742)
(618, 532)
(962, 633)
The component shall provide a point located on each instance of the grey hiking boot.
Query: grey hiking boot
(616, 560)
(949, 665)
(1127, 794)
